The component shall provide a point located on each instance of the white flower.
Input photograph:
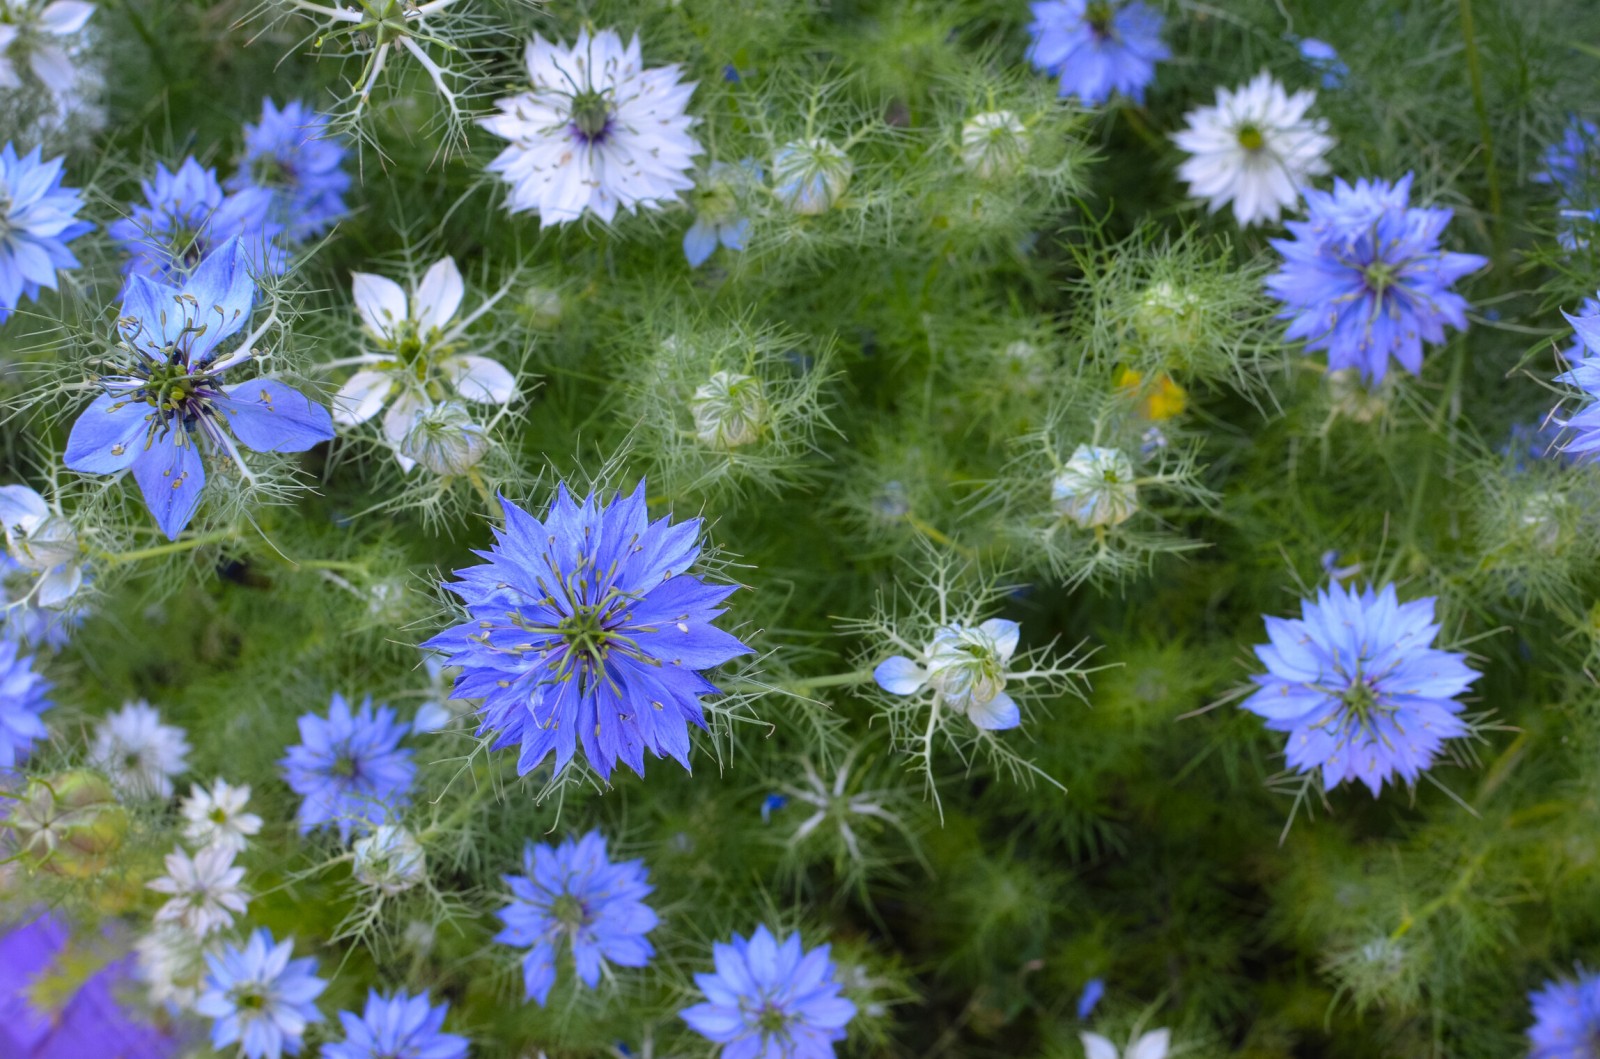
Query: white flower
(216, 817)
(171, 962)
(27, 28)
(42, 542)
(1256, 149)
(205, 890)
(993, 144)
(966, 665)
(596, 132)
(729, 410)
(417, 340)
(139, 754)
(1096, 487)
(1152, 1045)
(445, 440)
(810, 176)
(390, 859)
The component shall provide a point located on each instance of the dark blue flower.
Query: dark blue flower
(573, 893)
(1364, 277)
(348, 767)
(186, 218)
(397, 1027)
(23, 699)
(295, 156)
(586, 627)
(169, 402)
(1572, 163)
(1097, 47)
(1584, 374)
(37, 221)
(1358, 686)
(771, 999)
(1566, 1018)
(259, 997)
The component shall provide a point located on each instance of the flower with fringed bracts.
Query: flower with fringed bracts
(574, 893)
(293, 155)
(1583, 428)
(349, 767)
(1097, 47)
(1566, 1018)
(185, 218)
(259, 997)
(770, 998)
(396, 1027)
(38, 218)
(587, 628)
(1365, 279)
(23, 698)
(1359, 686)
(137, 752)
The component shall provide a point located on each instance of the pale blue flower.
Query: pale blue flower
(259, 998)
(348, 767)
(1097, 47)
(38, 218)
(396, 1027)
(771, 999)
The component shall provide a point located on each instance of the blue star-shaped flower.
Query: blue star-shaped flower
(1097, 47)
(294, 156)
(259, 997)
(186, 217)
(396, 1027)
(348, 767)
(37, 221)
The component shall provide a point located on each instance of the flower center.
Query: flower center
(270, 171)
(249, 1000)
(1098, 15)
(585, 632)
(771, 1018)
(345, 767)
(1380, 276)
(591, 115)
(1361, 699)
(218, 816)
(1251, 138)
(570, 912)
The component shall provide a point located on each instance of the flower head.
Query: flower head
(771, 998)
(1584, 374)
(186, 218)
(811, 176)
(1359, 686)
(1256, 149)
(574, 893)
(38, 218)
(966, 666)
(389, 860)
(1364, 278)
(994, 144)
(1096, 487)
(171, 963)
(717, 216)
(170, 401)
(586, 627)
(139, 754)
(34, 31)
(43, 542)
(1097, 47)
(23, 618)
(730, 410)
(295, 157)
(396, 1027)
(1566, 1018)
(597, 132)
(259, 997)
(22, 701)
(348, 767)
(1572, 163)
(1324, 58)
(445, 439)
(216, 817)
(1152, 1045)
(205, 890)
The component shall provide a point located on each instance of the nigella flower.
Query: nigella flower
(1566, 1018)
(574, 893)
(26, 31)
(22, 700)
(1572, 164)
(1089, 999)
(1359, 686)
(717, 217)
(597, 131)
(994, 144)
(295, 156)
(1585, 375)
(1097, 47)
(42, 541)
(259, 997)
(770, 998)
(139, 754)
(389, 860)
(1096, 488)
(186, 218)
(587, 627)
(205, 890)
(1256, 149)
(415, 354)
(21, 616)
(37, 221)
(348, 767)
(1364, 278)
(216, 816)
(1152, 1045)
(1324, 58)
(169, 402)
(396, 1027)
(966, 666)
(171, 964)
(811, 176)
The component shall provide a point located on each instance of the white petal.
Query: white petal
(51, 65)
(361, 396)
(481, 379)
(1152, 1045)
(402, 417)
(380, 301)
(439, 295)
(1004, 634)
(60, 585)
(996, 715)
(1097, 1047)
(65, 16)
(21, 507)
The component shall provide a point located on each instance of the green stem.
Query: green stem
(800, 687)
(1469, 33)
(187, 544)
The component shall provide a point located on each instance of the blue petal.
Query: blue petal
(268, 416)
(108, 436)
(699, 243)
(171, 475)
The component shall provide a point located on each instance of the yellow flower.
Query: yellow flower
(1164, 400)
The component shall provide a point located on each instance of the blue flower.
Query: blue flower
(1089, 999)
(1358, 686)
(349, 767)
(770, 998)
(718, 219)
(771, 804)
(22, 700)
(36, 224)
(1572, 164)
(587, 627)
(1322, 57)
(260, 997)
(1364, 277)
(1566, 1018)
(1097, 47)
(294, 156)
(186, 218)
(398, 1027)
(21, 616)
(1584, 354)
(573, 892)
(169, 402)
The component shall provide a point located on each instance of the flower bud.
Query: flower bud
(445, 440)
(729, 410)
(1169, 318)
(810, 176)
(993, 145)
(70, 824)
(1352, 399)
(542, 306)
(1096, 487)
(390, 859)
